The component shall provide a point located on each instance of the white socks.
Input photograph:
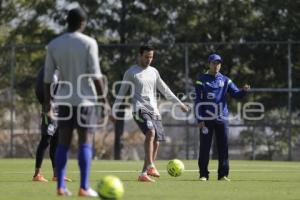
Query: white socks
(143, 173)
(150, 165)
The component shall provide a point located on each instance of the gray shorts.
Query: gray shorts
(147, 121)
(82, 118)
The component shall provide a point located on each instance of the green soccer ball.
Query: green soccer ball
(175, 167)
(110, 187)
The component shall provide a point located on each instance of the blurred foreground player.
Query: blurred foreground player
(75, 54)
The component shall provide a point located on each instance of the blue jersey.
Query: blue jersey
(211, 92)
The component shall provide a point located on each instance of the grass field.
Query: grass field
(250, 180)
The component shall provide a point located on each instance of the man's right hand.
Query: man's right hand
(201, 125)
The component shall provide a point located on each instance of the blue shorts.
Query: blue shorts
(82, 118)
(147, 121)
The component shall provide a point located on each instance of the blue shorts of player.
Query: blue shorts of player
(83, 118)
(147, 121)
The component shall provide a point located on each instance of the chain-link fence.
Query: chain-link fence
(271, 68)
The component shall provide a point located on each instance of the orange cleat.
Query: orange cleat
(63, 192)
(152, 171)
(87, 193)
(145, 178)
(39, 178)
(54, 178)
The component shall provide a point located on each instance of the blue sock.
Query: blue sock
(84, 161)
(61, 156)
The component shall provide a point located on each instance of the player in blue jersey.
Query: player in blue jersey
(212, 115)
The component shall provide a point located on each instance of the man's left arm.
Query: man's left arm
(165, 90)
(98, 78)
(235, 92)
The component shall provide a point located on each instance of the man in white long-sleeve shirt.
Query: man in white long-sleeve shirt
(144, 81)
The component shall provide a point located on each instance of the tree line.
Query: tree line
(251, 35)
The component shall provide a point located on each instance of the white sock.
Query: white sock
(143, 173)
(150, 165)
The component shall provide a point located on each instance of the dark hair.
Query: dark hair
(146, 48)
(75, 17)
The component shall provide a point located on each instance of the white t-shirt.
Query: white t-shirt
(74, 55)
(145, 83)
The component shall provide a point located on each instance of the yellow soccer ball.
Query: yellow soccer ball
(110, 187)
(175, 167)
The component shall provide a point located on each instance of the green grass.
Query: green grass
(250, 180)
